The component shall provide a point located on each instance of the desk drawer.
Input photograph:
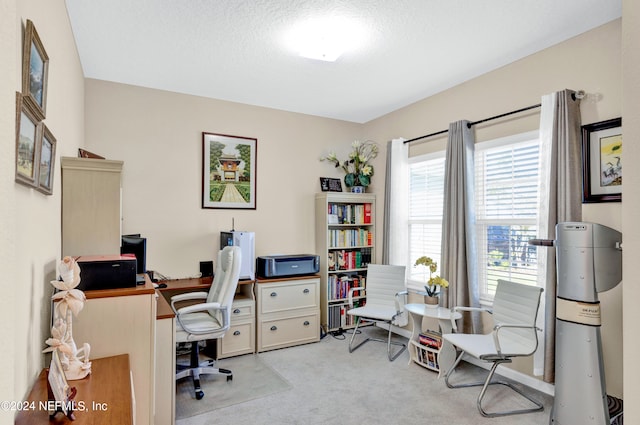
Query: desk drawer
(290, 331)
(241, 312)
(238, 340)
(288, 296)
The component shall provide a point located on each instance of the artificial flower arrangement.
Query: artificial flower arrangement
(434, 281)
(358, 170)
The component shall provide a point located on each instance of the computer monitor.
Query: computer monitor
(136, 245)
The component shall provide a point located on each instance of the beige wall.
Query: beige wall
(631, 206)
(158, 135)
(30, 220)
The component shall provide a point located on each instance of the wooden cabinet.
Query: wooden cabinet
(117, 321)
(165, 367)
(91, 214)
(288, 312)
(345, 241)
(241, 337)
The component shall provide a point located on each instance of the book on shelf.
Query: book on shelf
(350, 213)
(431, 339)
(338, 286)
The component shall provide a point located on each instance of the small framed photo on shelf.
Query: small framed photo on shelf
(46, 167)
(228, 171)
(35, 69)
(27, 149)
(328, 184)
(602, 161)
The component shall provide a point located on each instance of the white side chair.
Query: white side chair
(515, 308)
(209, 317)
(386, 297)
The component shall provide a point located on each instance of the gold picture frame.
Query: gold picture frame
(27, 149)
(35, 70)
(46, 167)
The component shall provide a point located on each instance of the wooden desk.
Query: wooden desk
(105, 396)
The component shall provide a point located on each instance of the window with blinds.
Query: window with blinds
(506, 180)
(426, 197)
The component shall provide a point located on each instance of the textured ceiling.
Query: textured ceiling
(237, 50)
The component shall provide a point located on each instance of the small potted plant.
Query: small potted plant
(435, 282)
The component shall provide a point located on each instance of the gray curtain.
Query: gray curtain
(388, 187)
(560, 197)
(396, 205)
(459, 253)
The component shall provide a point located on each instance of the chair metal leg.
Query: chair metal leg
(391, 356)
(485, 384)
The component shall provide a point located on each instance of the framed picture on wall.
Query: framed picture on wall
(602, 161)
(35, 68)
(27, 149)
(47, 145)
(228, 171)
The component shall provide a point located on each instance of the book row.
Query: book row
(429, 358)
(344, 238)
(338, 286)
(350, 213)
(338, 317)
(348, 260)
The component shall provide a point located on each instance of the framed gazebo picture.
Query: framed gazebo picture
(228, 171)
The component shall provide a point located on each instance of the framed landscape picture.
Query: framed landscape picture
(47, 144)
(35, 68)
(228, 171)
(27, 149)
(602, 161)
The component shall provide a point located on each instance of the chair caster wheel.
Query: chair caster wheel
(229, 378)
(199, 395)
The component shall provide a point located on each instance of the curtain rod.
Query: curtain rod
(575, 96)
(477, 122)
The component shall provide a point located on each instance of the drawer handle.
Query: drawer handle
(274, 328)
(236, 333)
(236, 311)
(306, 323)
(306, 291)
(273, 294)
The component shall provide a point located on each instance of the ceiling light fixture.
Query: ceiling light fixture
(325, 39)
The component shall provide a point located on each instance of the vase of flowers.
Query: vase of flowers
(357, 167)
(435, 283)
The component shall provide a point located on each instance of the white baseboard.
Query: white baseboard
(519, 377)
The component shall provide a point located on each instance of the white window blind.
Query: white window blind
(506, 212)
(426, 197)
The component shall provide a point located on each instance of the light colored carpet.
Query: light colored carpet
(252, 379)
(331, 386)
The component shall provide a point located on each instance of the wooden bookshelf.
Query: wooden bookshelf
(345, 241)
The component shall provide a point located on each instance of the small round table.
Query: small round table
(438, 359)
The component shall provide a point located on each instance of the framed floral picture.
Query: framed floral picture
(228, 171)
(602, 161)
(35, 68)
(47, 145)
(27, 149)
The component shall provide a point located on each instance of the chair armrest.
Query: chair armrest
(189, 296)
(401, 303)
(458, 308)
(498, 327)
(200, 307)
(351, 290)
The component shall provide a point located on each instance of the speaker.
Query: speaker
(206, 268)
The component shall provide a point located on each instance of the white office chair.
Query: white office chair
(515, 308)
(386, 298)
(209, 318)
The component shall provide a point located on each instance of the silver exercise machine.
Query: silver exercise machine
(588, 261)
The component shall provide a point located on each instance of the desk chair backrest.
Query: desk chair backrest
(382, 284)
(516, 303)
(225, 282)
